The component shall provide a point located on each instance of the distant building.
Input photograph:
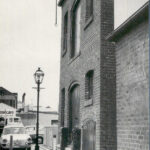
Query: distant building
(47, 116)
(7, 111)
(8, 98)
(19, 105)
(48, 123)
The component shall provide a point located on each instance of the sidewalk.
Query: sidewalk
(42, 147)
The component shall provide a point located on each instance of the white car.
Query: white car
(21, 140)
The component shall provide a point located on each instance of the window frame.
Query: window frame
(65, 33)
(73, 54)
(89, 87)
(88, 16)
(85, 133)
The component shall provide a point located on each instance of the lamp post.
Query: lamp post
(38, 76)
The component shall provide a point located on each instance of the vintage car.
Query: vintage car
(31, 130)
(15, 136)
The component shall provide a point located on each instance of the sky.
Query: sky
(29, 39)
(125, 8)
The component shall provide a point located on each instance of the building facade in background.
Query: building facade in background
(7, 111)
(103, 78)
(48, 123)
(8, 98)
(47, 116)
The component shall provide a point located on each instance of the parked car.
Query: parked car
(31, 130)
(20, 139)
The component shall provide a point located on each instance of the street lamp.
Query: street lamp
(38, 76)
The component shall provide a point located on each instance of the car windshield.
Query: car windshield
(14, 130)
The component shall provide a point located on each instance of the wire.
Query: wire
(56, 14)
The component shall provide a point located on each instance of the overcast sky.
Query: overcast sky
(29, 39)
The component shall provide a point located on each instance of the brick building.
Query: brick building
(103, 79)
(8, 98)
(132, 72)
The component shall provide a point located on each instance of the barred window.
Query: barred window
(89, 84)
(62, 107)
(75, 42)
(89, 9)
(65, 32)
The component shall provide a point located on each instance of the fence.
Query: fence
(50, 137)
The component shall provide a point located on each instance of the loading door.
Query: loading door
(75, 107)
(88, 136)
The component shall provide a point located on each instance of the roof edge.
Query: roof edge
(60, 3)
(136, 18)
(44, 112)
(2, 88)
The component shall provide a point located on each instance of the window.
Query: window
(65, 33)
(54, 136)
(89, 9)
(89, 84)
(62, 106)
(74, 106)
(54, 122)
(75, 49)
(2, 93)
(16, 119)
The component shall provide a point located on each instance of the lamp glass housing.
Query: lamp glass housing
(38, 76)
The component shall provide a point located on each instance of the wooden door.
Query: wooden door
(88, 137)
(75, 107)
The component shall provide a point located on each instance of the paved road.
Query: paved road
(33, 147)
(41, 148)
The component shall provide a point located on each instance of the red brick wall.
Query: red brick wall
(98, 55)
(132, 56)
(108, 80)
(88, 59)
